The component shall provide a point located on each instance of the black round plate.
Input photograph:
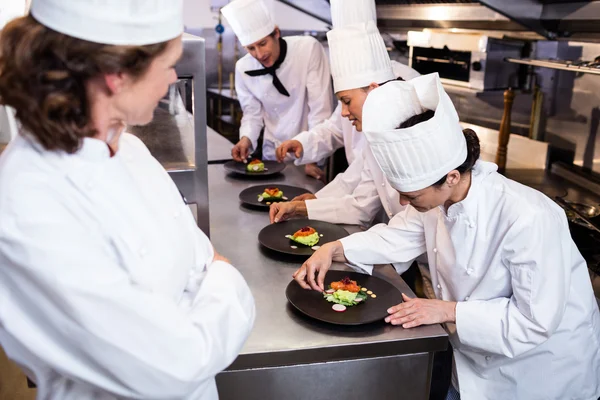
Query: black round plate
(250, 195)
(273, 236)
(272, 168)
(312, 303)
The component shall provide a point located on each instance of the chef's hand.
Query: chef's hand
(415, 312)
(282, 211)
(289, 146)
(319, 262)
(314, 171)
(305, 196)
(241, 150)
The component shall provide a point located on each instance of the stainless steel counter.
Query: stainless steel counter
(284, 338)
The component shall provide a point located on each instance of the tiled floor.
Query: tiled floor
(13, 385)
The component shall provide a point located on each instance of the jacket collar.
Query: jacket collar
(480, 171)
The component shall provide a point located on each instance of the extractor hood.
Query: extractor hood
(551, 19)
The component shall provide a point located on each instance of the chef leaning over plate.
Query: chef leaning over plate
(348, 60)
(512, 289)
(283, 83)
(108, 289)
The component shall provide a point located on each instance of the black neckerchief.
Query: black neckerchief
(271, 70)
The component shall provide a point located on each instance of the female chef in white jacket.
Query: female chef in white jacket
(511, 287)
(355, 196)
(108, 289)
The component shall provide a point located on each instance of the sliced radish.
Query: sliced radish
(330, 291)
(315, 248)
(294, 247)
(338, 307)
(260, 198)
(284, 198)
(358, 300)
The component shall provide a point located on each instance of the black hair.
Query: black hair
(473, 147)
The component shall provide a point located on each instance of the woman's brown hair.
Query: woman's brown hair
(43, 75)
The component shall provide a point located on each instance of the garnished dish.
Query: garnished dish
(306, 236)
(255, 165)
(271, 194)
(346, 293)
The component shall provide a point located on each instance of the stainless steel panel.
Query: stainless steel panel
(400, 377)
(281, 336)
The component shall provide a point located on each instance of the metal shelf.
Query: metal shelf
(555, 64)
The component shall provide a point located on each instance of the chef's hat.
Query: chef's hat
(416, 157)
(250, 20)
(117, 22)
(358, 57)
(349, 12)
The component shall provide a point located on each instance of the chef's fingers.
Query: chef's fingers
(401, 306)
(321, 277)
(235, 153)
(298, 152)
(280, 152)
(401, 313)
(244, 154)
(311, 268)
(284, 210)
(273, 210)
(300, 277)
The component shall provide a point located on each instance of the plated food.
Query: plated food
(271, 194)
(306, 236)
(262, 196)
(255, 169)
(346, 293)
(255, 165)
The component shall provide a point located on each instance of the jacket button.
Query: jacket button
(467, 298)
(435, 249)
(390, 214)
(488, 358)
(383, 184)
(469, 271)
(439, 286)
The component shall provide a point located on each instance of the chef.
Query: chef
(355, 196)
(283, 84)
(324, 139)
(512, 289)
(108, 289)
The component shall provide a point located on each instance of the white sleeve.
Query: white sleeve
(399, 242)
(76, 308)
(344, 183)
(252, 110)
(538, 252)
(318, 86)
(356, 208)
(322, 140)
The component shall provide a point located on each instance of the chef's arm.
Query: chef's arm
(538, 254)
(322, 140)
(318, 86)
(401, 241)
(252, 115)
(76, 308)
(357, 208)
(345, 182)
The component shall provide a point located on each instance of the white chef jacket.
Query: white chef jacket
(527, 324)
(356, 196)
(305, 75)
(336, 132)
(108, 289)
